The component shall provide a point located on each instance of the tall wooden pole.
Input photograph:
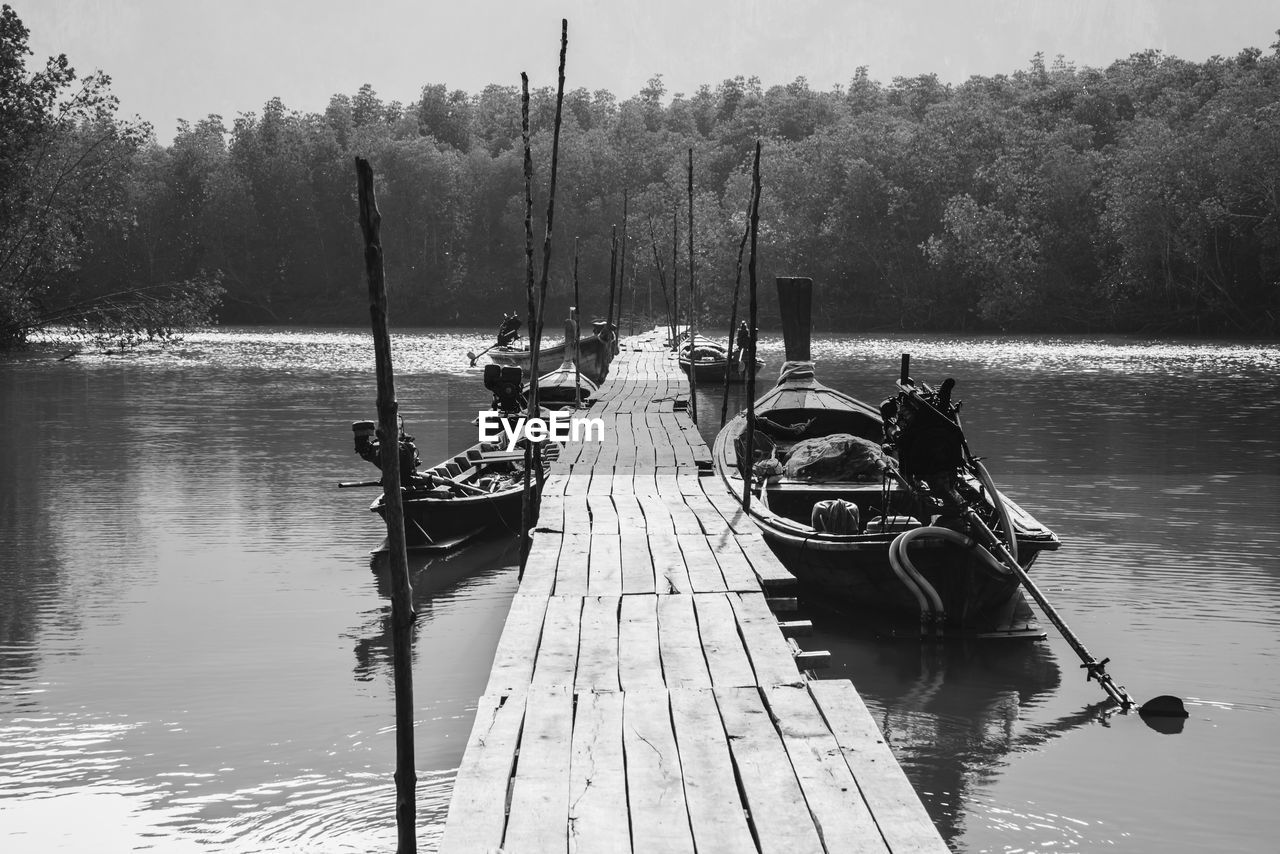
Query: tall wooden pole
(622, 262)
(574, 313)
(693, 306)
(526, 499)
(746, 464)
(389, 442)
(662, 281)
(613, 279)
(733, 315)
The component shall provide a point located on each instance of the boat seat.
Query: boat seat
(474, 455)
(502, 456)
(463, 462)
(453, 468)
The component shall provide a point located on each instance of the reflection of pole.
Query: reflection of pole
(389, 443)
(693, 306)
(750, 451)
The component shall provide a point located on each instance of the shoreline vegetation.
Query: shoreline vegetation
(1143, 197)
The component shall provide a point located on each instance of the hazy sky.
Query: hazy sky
(174, 59)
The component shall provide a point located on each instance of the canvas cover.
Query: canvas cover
(839, 456)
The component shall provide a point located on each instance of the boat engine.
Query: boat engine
(508, 330)
(506, 383)
(923, 426)
(367, 446)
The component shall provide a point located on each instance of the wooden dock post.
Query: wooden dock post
(389, 442)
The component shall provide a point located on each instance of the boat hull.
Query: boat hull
(594, 356)
(977, 599)
(713, 370)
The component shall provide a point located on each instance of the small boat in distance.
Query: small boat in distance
(837, 493)
(567, 386)
(710, 361)
(594, 353)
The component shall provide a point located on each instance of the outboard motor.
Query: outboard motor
(506, 382)
(367, 446)
(508, 330)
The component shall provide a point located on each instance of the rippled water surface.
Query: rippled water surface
(194, 639)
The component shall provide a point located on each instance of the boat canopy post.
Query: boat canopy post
(402, 616)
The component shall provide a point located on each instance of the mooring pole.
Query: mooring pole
(733, 317)
(693, 306)
(526, 499)
(746, 465)
(402, 615)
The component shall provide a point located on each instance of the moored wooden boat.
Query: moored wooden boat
(594, 353)
(710, 361)
(848, 519)
(567, 386)
(474, 493)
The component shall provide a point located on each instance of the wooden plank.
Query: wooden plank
(843, 820)
(539, 816)
(716, 813)
(683, 664)
(605, 577)
(778, 811)
(670, 573)
(657, 514)
(722, 646)
(598, 820)
(513, 660)
(770, 572)
(577, 517)
(734, 566)
(896, 808)
(770, 656)
(477, 809)
(572, 565)
(639, 661)
(557, 658)
(539, 576)
(637, 564)
(655, 788)
(597, 668)
(700, 561)
(604, 517)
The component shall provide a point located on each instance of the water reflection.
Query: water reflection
(438, 581)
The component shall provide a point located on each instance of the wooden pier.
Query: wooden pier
(644, 696)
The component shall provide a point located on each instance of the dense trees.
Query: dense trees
(1139, 197)
(73, 178)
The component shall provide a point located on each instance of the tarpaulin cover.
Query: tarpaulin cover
(840, 456)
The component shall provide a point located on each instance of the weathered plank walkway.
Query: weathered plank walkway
(643, 697)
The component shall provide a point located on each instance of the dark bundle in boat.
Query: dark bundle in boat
(474, 493)
(871, 510)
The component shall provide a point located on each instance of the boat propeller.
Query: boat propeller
(934, 444)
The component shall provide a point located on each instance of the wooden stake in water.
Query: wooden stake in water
(751, 357)
(402, 615)
(693, 305)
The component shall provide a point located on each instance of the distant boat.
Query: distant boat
(710, 361)
(595, 352)
(567, 385)
(839, 512)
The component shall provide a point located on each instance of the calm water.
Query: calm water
(194, 640)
